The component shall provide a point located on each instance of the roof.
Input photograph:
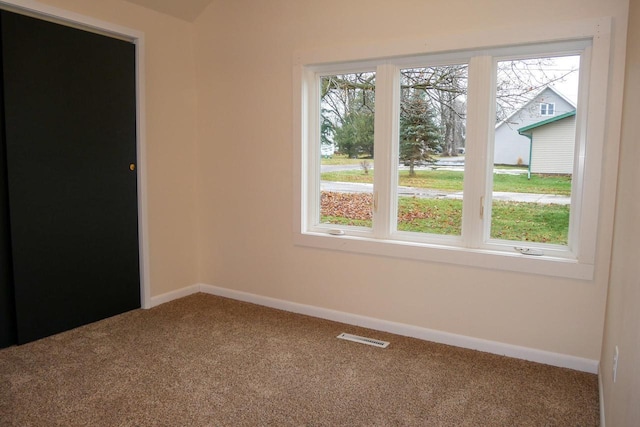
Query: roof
(547, 121)
(551, 88)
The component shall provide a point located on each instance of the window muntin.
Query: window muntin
(356, 207)
(547, 109)
(475, 248)
(431, 149)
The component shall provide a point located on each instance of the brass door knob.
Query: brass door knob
(132, 166)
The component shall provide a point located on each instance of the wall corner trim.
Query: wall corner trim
(601, 393)
(494, 347)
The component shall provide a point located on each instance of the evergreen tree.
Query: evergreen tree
(420, 136)
(355, 136)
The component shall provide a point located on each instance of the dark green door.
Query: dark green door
(70, 137)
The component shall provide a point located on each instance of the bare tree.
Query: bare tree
(346, 98)
(519, 81)
(348, 107)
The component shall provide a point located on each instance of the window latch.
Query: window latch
(481, 207)
(529, 251)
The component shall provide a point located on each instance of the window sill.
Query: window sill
(481, 258)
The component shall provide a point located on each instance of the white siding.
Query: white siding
(553, 147)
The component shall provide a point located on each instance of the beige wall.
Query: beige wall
(236, 232)
(244, 72)
(219, 101)
(170, 123)
(622, 327)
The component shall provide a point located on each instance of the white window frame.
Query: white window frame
(546, 110)
(481, 51)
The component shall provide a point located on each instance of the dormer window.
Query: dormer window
(547, 109)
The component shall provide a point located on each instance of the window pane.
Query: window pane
(431, 149)
(534, 149)
(347, 109)
(543, 109)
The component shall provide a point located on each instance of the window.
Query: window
(445, 157)
(534, 155)
(432, 127)
(347, 110)
(547, 109)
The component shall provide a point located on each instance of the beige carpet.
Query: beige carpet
(209, 361)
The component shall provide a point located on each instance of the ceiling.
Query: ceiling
(187, 10)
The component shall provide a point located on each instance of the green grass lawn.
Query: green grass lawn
(453, 181)
(531, 222)
(538, 184)
(436, 216)
(338, 159)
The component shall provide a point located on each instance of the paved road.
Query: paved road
(457, 164)
(352, 187)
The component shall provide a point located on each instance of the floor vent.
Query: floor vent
(363, 340)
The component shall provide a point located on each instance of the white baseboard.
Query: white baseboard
(170, 296)
(494, 347)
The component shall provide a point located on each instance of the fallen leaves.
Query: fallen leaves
(510, 221)
(347, 205)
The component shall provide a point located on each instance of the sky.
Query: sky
(569, 87)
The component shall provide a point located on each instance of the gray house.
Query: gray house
(512, 148)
